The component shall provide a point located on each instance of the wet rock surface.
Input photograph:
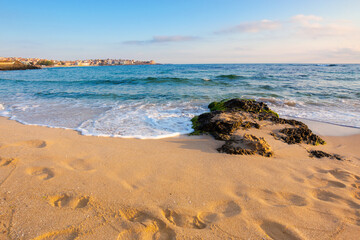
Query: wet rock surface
(219, 128)
(228, 119)
(322, 154)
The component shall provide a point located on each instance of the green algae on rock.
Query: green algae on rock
(195, 126)
(246, 105)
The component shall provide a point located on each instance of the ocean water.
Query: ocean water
(155, 101)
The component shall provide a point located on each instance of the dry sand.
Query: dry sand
(57, 184)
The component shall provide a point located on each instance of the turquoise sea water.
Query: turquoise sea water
(159, 100)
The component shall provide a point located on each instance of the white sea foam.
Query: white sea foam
(143, 121)
(3, 111)
(128, 120)
(151, 120)
(334, 115)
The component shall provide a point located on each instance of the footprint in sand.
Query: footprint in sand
(353, 217)
(42, 173)
(80, 165)
(5, 222)
(343, 175)
(69, 233)
(352, 204)
(8, 166)
(294, 199)
(208, 217)
(322, 182)
(356, 195)
(184, 220)
(227, 208)
(67, 200)
(7, 161)
(278, 231)
(34, 143)
(145, 226)
(331, 183)
(325, 195)
(282, 198)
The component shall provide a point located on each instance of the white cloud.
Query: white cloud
(252, 27)
(305, 25)
(306, 19)
(163, 39)
(315, 26)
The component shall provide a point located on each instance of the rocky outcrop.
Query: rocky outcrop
(229, 117)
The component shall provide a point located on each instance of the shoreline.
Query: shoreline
(328, 129)
(171, 188)
(319, 128)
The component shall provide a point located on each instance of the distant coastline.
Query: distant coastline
(18, 63)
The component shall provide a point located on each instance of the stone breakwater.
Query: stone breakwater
(244, 124)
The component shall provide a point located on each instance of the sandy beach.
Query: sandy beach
(58, 184)
(180, 120)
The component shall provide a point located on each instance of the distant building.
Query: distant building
(92, 62)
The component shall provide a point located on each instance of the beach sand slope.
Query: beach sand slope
(57, 184)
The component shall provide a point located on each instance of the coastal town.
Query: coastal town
(13, 63)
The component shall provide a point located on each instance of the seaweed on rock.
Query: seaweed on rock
(246, 105)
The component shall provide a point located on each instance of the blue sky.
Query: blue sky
(197, 31)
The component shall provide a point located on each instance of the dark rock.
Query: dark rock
(321, 154)
(246, 105)
(230, 149)
(301, 134)
(227, 116)
(248, 145)
(221, 129)
(247, 125)
(275, 136)
(287, 121)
